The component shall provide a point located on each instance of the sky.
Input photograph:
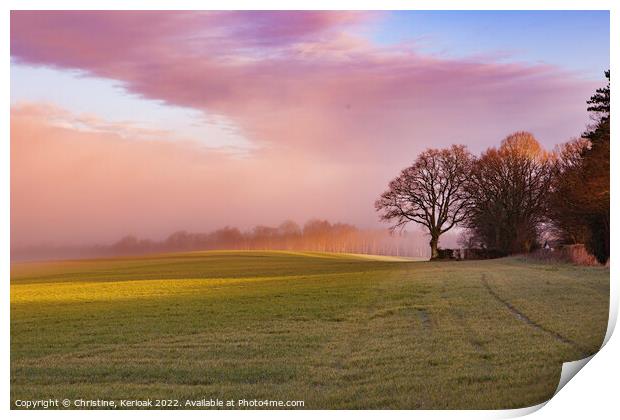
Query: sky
(149, 122)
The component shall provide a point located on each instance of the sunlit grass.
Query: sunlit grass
(336, 331)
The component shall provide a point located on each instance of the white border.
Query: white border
(592, 394)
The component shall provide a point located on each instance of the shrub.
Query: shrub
(573, 254)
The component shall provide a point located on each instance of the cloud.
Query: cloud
(71, 185)
(58, 117)
(333, 117)
(302, 79)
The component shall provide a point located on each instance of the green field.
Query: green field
(333, 331)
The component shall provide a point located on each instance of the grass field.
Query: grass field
(333, 331)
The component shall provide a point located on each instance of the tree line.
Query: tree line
(510, 197)
(315, 235)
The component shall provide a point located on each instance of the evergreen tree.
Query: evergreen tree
(595, 174)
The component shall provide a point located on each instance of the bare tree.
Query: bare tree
(429, 192)
(569, 194)
(508, 190)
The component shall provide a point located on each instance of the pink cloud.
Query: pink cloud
(70, 185)
(334, 116)
(272, 70)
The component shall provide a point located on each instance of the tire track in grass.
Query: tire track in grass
(425, 319)
(524, 318)
(472, 338)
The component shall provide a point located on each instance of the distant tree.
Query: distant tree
(289, 233)
(126, 244)
(342, 236)
(226, 238)
(316, 234)
(429, 192)
(289, 228)
(178, 241)
(265, 237)
(507, 192)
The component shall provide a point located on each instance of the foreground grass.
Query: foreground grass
(334, 331)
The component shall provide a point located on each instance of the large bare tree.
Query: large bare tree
(430, 192)
(508, 190)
